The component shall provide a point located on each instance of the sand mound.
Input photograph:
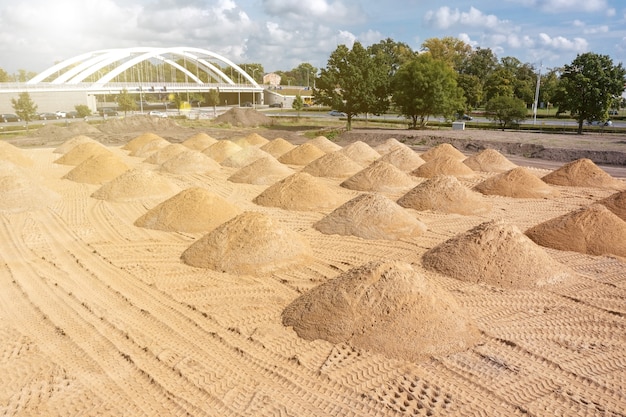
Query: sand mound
(443, 165)
(302, 155)
(616, 203)
(379, 176)
(97, 169)
(251, 243)
(138, 123)
(389, 145)
(593, 230)
(445, 149)
(403, 158)
(19, 193)
(243, 117)
(221, 150)
(150, 148)
(489, 160)
(495, 253)
(192, 210)
(583, 173)
(445, 194)
(516, 183)
(165, 153)
(14, 154)
(190, 162)
(136, 184)
(244, 157)
(199, 141)
(82, 152)
(278, 147)
(53, 132)
(325, 144)
(299, 191)
(360, 152)
(253, 139)
(385, 307)
(371, 216)
(263, 171)
(332, 165)
(74, 141)
(139, 141)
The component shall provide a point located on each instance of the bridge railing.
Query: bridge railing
(113, 88)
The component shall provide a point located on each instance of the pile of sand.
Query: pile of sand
(278, 147)
(403, 158)
(150, 148)
(332, 165)
(192, 210)
(495, 253)
(263, 171)
(199, 141)
(443, 165)
(98, 169)
(389, 145)
(244, 117)
(489, 160)
(136, 184)
(190, 162)
(14, 154)
(251, 243)
(325, 144)
(371, 216)
(70, 143)
(52, 132)
(616, 203)
(379, 176)
(165, 153)
(301, 154)
(516, 183)
(583, 173)
(445, 194)
(245, 157)
(253, 139)
(20, 193)
(82, 152)
(138, 123)
(140, 141)
(360, 152)
(385, 307)
(300, 191)
(593, 230)
(444, 149)
(221, 150)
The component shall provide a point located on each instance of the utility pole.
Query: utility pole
(536, 95)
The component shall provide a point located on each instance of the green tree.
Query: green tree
(83, 110)
(449, 49)
(4, 76)
(126, 102)
(425, 87)
(213, 99)
(480, 64)
(588, 86)
(24, 107)
(506, 110)
(298, 104)
(255, 70)
(472, 90)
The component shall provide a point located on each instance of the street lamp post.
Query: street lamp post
(254, 92)
(536, 96)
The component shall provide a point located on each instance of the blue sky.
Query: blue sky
(281, 34)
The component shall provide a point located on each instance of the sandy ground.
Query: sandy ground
(101, 317)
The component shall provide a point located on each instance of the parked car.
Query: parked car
(72, 115)
(247, 104)
(61, 114)
(276, 105)
(613, 112)
(464, 117)
(599, 123)
(107, 112)
(337, 113)
(48, 116)
(9, 117)
(157, 113)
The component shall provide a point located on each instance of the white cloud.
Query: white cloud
(561, 6)
(320, 10)
(563, 44)
(445, 18)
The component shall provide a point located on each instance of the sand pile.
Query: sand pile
(489, 160)
(389, 145)
(371, 216)
(278, 147)
(150, 148)
(403, 158)
(583, 173)
(360, 152)
(593, 230)
(244, 157)
(385, 307)
(516, 183)
(445, 194)
(192, 210)
(74, 141)
(443, 165)
(616, 203)
(190, 162)
(253, 139)
(165, 153)
(325, 144)
(301, 155)
(244, 117)
(98, 169)
(263, 171)
(251, 243)
(140, 141)
(20, 193)
(136, 184)
(14, 154)
(445, 149)
(82, 152)
(495, 253)
(53, 132)
(221, 150)
(332, 165)
(199, 141)
(300, 191)
(138, 123)
(379, 176)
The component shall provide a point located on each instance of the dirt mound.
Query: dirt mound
(98, 169)
(495, 253)
(583, 173)
(139, 141)
(325, 144)
(379, 176)
(445, 194)
(332, 165)
(192, 210)
(74, 141)
(443, 165)
(190, 162)
(278, 147)
(385, 307)
(221, 150)
(251, 243)
(302, 155)
(244, 157)
(371, 216)
(139, 123)
(82, 152)
(14, 154)
(243, 117)
(150, 148)
(299, 191)
(489, 160)
(19, 193)
(263, 171)
(389, 145)
(444, 149)
(403, 158)
(253, 139)
(199, 141)
(136, 184)
(53, 132)
(360, 152)
(517, 183)
(593, 230)
(616, 203)
(165, 153)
